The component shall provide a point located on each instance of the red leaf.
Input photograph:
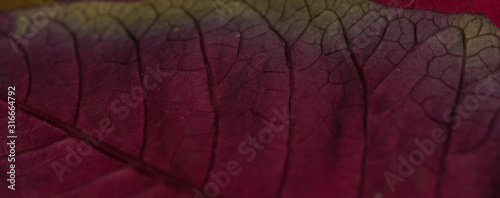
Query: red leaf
(490, 8)
(249, 99)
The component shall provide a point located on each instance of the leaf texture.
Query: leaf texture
(177, 90)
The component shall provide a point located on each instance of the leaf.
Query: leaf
(487, 7)
(251, 99)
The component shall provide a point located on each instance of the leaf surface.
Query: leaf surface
(489, 8)
(178, 90)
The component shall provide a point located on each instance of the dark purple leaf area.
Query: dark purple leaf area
(187, 98)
